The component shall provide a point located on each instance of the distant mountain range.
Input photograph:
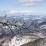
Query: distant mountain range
(21, 26)
(26, 21)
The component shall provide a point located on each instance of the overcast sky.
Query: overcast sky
(28, 7)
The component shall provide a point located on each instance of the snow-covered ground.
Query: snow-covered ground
(22, 39)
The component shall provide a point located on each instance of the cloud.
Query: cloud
(21, 12)
(11, 12)
(29, 2)
(14, 12)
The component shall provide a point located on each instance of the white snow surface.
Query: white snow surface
(18, 41)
